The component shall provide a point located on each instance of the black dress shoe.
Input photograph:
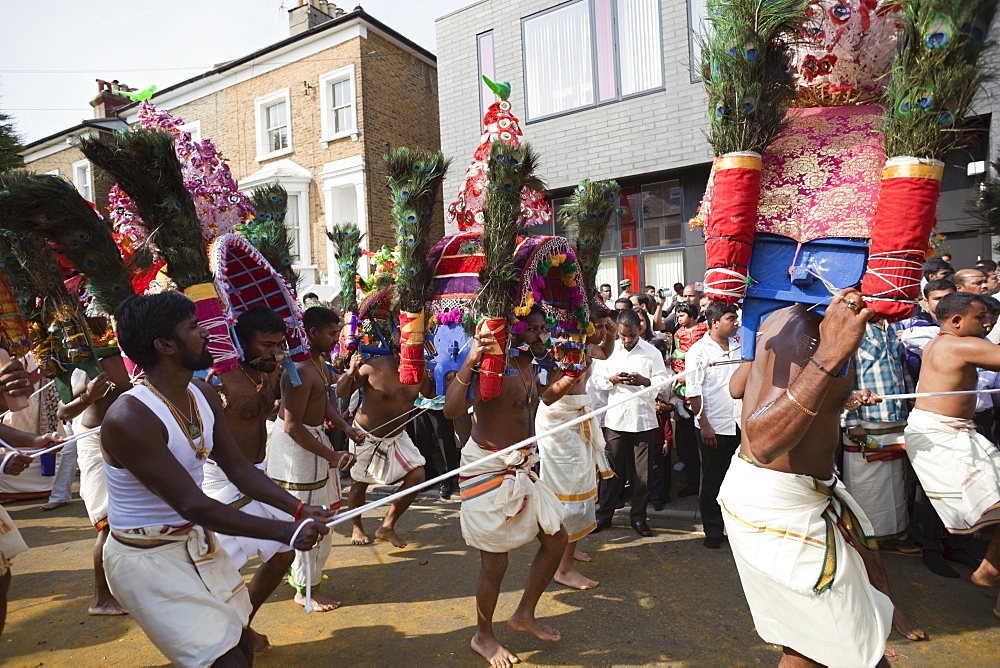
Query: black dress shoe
(601, 526)
(712, 543)
(657, 506)
(642, 529)
(688, 491)
(937, 565)
(961, 557)
(446, 490)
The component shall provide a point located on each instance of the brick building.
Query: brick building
(315, 112)
(606, 89)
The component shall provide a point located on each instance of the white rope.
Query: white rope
(3, 465)
(32, 395)
(918, 395)
(308, 563)
(357, 512)
(37, 453)
(734, 276)
(906, 279)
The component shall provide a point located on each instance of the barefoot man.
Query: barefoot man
(801, 543)
(386, 455)
(300, 458)
(572, 460)
(248, 396)
(503, 505)
(958, 468)
(164, 562)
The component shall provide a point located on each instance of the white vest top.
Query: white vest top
(130, 503)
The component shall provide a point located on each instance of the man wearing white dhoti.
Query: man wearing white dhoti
(163, 562)
(809, 565)
(958, 468)
(503, 505)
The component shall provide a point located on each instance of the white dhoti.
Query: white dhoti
(958, 469)
(308, 478)
(384, 461)
(807, 587)
(93, 488)
(876, 478)
(11, 543)
(181, 588)
(241, 548)
(503, 504)
(572, 460)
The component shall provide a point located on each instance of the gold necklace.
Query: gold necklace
(527, 384)
(257, 386)
(321, 367)
(191, 428)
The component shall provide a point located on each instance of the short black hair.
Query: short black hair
(716, 310)
(309, 295)
(624, 300)
(260, 319)
(934, 265)
(318, 317)
(678, 288)
(605, 285)
(690, 309)
(938, 284)
(992, 305)
(649, 287)
(598, 311)
(141, 319)
(986, 265)
(629, 318)
(959, 303)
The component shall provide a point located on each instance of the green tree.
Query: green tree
(10, 143)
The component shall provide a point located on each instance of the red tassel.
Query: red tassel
(411, 348)
(731, 227)
(494, 363)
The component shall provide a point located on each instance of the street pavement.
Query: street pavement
(663, 600)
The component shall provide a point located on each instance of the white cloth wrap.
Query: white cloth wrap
(241, 548)
(503, 504)
(879, 486)
(781, 538)
(93, 486)
(310, 479)
(11, 543)
(186, 595)
(571, 461)
(958, 469)
(384, 461)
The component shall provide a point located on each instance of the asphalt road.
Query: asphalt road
(663, 600)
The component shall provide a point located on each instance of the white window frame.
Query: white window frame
(194, 127)
(328, 118)
(54, 172)
(84, 185)
(260, 104)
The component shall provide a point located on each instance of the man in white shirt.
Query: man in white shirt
(631, 424)
(715, 409)
(605, 296)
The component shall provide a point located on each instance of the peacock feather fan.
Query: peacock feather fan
(33, 272)
(49, 206)
(267, 232)
(935, 75)
(746, 72)
(586, 219)
(414, 179)
(146, 167)
(510, 168)
(346, 238)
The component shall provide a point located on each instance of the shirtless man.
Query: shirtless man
(248, 396)
(486, 492)
(572, 461)
(300, 458)
(958, 468)
(91, 400)
(810, 589)
(386, 455)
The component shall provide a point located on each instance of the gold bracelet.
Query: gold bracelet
(462, 381)
(800, 406)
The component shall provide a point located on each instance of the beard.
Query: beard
(197, 362)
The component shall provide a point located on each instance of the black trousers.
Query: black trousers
(687, 439)
(714, 465)
(660, 473)
(434, 436)
(628, 453)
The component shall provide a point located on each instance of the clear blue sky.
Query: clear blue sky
(52, 51)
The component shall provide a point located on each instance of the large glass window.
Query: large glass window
(698, 29)
(590, 51)
(664, 269)
(661, 214)
(294, 228)
(484, 44)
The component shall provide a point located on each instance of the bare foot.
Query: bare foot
(320, 602)
(986, 575)
(108, 607)
(532, 625)
(575, 579)
(905, 627)
(491, 650)
(580, 555)
(53, 506)
(386, 533)
(261, 644)
(359, 537)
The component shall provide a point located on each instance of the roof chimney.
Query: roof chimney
(109, 97)
(308, 14)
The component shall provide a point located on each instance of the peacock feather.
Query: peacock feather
(146, 167)
(346, 239)
(510, 168)
(935, 75)
(267, 231)
(586, 219)
(745, 69)
(47, 205)
(414, 179)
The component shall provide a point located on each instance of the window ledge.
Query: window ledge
(353, 134)
(275, 154)
(305, 266)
